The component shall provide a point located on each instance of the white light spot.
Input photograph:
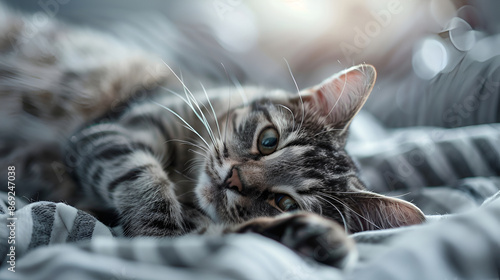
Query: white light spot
(430, 58)
(461, 34)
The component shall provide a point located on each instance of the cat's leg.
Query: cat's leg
(308, 234)
(122, 166)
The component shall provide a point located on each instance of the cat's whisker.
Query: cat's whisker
(192, 108)
(291, 113)
(192, 168)
(188, 103)
(186, 90)
(327, 131)
(188, 143)
(199, 113)
(348, 193)
(228, 106)
(199, 161)
(349, 208)
(194, 163)
(187, 125)
(298, 92)
(186, 193)
(196, 152)
(188, 179)
(176, 94)
(213, 111)
(227, 120)
(401, 195)
(240, 89)
(338, 210)
(196, 132)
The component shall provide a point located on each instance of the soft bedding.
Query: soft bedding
(57, 241)
(458, 167)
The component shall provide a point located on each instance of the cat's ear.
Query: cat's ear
(376, 211)
(341, 96)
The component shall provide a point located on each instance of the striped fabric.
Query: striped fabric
(51, 238)
(441, 170)
(56, 241)
(47, 223)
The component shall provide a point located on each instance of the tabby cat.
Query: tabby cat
(219, 161)
(239, 160)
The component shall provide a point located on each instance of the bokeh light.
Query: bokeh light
(430, 57)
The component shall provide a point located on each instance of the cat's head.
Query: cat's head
(283, 152)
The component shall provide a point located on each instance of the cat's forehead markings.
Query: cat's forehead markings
(306, 184)
(264, 111)
(242, 114)
(239, 115)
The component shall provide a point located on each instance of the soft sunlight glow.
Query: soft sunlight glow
(301, 8)
(238, 31)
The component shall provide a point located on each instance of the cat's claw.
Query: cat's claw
(308, 234)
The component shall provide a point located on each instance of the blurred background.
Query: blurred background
(409, 41)
(316, 37)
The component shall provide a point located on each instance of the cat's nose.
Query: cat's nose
(234, 181)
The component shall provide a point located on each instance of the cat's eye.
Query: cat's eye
(268, 141)
(285, 202)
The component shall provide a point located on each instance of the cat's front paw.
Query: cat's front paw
(308, 234)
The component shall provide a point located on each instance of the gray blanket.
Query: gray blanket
(57, 241)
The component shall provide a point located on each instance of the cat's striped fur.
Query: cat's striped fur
(181, 162)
